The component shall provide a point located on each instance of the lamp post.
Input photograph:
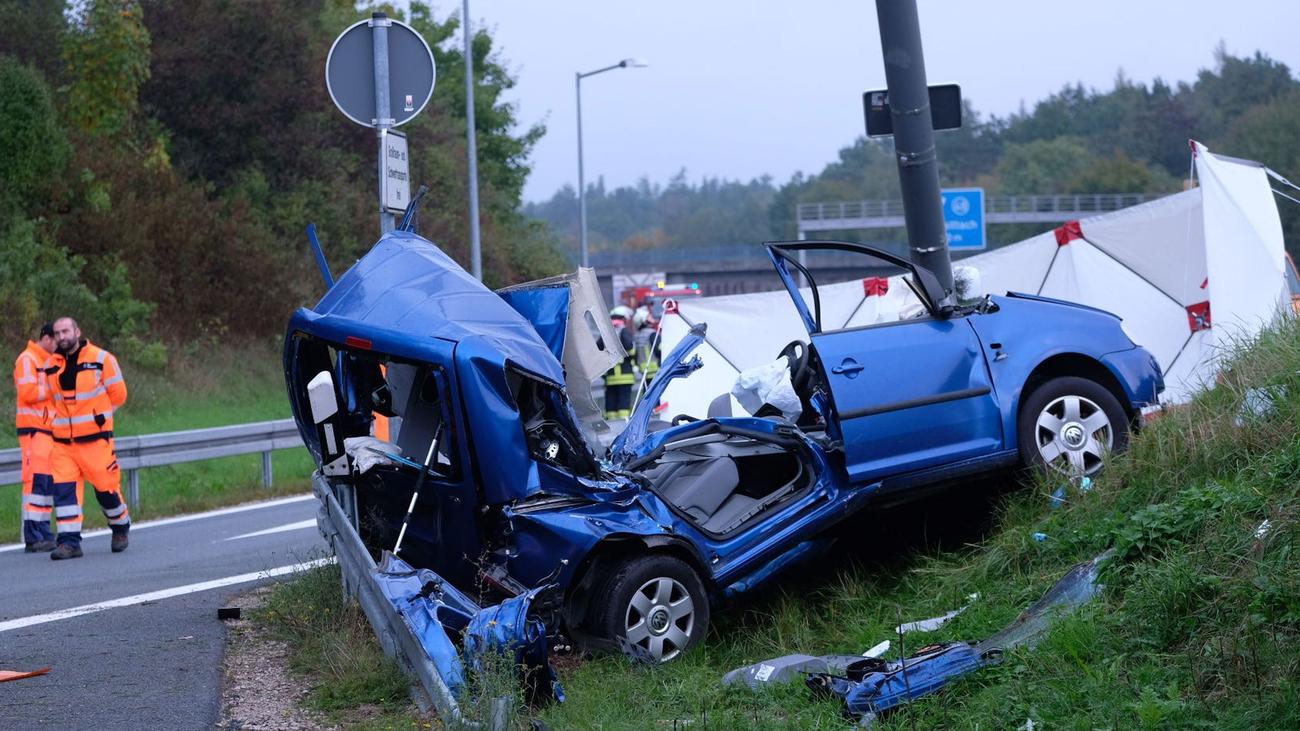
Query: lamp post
(582, 183)
(471, 146)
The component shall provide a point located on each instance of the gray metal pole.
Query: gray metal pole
(582, 184)
(918, 170)
(475, 247)
(379, 24)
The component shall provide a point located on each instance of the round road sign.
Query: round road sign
(350, 73)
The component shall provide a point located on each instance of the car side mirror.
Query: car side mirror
(323, 401)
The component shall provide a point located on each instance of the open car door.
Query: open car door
(907, 394)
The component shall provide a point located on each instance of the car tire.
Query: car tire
(653, 608)
(1068, 425)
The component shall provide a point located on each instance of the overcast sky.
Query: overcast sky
(741, 89)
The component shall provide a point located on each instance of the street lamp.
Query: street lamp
(582, 183)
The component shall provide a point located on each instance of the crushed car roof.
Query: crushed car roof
(405, 286)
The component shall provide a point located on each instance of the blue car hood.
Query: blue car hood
(409, 299)
(675, 365)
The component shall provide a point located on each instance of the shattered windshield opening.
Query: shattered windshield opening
(549, 437)
(384, 405)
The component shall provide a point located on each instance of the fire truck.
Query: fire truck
(655, 297)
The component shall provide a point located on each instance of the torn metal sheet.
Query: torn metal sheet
(789, 668)
(579, 333)
(1078, 587)
(871, 686)
(438, 613)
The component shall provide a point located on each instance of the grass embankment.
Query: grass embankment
(1198, 627)
(203, 386)
(354, 684)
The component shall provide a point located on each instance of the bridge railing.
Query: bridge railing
(167, 448)
(732, 257)
(993, 205)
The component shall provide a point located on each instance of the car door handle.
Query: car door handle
(848, 368)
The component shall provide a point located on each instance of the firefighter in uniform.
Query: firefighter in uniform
(34, 439)
(647, 346)
(622, 377)
(87, 387)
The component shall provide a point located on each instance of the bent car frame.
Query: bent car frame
(643, 539)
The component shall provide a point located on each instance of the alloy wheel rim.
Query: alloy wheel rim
(660, 618)
(1073, 435)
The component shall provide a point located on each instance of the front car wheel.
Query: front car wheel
(1070, 425)
(653, 607)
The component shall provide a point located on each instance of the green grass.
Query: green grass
(202, 387)
(1198, 627)
(353, 683)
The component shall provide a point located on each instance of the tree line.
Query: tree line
(159, 161)
(1131, 138)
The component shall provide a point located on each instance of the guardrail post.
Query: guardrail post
(266, 469)
(133, 488)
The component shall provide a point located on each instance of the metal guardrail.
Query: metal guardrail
(167, 448)
(395, 636)
(868, 214)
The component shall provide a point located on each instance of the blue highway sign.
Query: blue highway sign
(963, 217)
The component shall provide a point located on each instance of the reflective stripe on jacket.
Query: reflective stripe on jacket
(32, 391)
(87, 412)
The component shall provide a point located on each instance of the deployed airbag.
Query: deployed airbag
(768, 384)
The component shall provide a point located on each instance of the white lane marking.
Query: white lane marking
(185, 518)
(309, 523)
(154, 596)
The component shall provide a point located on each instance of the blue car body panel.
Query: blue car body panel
(906, 402)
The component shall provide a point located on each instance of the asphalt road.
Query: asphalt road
(133, 638)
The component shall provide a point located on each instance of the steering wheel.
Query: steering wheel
(799, 373)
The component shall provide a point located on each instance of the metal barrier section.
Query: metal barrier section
(193, 445)
(395, 636)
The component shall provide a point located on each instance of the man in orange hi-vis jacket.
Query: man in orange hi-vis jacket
(34, 439)
(87, 387)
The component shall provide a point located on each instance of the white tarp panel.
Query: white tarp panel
(1140, 238)
(1156, 265)
(1082, 273)
(1244, 245)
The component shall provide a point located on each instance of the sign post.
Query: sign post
(380, 74)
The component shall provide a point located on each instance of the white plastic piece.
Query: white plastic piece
(934, 623)
(1263, 528)
(768, 384)
(878, 650)
(320, 394)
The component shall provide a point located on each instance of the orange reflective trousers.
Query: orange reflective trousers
(38, 490)
(95, 462)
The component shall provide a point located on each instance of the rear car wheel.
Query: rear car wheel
(652, 607)
(1069, 425)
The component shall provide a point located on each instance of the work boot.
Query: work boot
(66, 550)
(120, 542)
(39, 547)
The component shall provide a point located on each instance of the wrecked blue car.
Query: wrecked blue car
(481, 393)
